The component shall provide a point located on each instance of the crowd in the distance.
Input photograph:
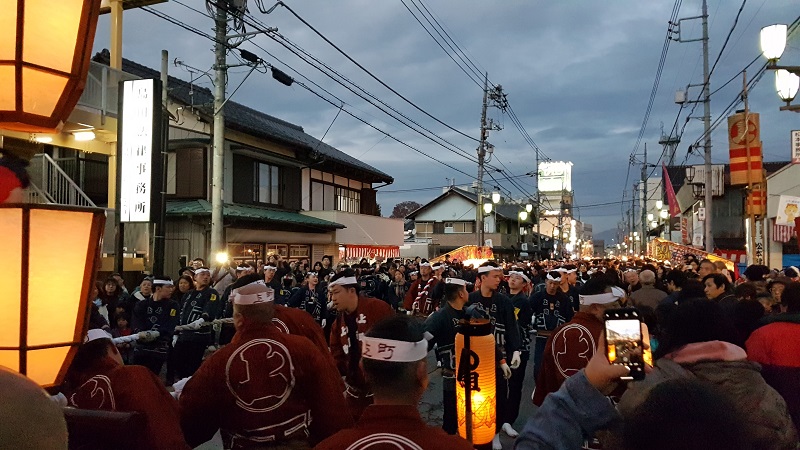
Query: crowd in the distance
(257, 349)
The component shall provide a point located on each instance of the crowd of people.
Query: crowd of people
(286, 355)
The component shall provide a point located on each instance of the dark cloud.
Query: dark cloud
(578, 75)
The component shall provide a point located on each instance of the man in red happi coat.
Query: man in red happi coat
(266, 388)
(394, 355)
(356, 316)
(98, 379)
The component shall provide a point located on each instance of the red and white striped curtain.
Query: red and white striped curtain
(369, 251)
(782, 233)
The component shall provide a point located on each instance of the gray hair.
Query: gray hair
(647, 277)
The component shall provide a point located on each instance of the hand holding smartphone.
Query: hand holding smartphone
(624, 341)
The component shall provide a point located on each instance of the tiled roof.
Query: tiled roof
(203, 208)
(505, 210)
(245, 119)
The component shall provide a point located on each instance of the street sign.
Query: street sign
(795, 146)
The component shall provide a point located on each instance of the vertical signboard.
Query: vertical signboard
(744, 144)
(795, 146)
(139, 150)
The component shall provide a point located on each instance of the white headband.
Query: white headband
(413, 273)
(394, 351)
(241, 268)
(457, 281)
(96, 333)
(343, 281)
(551, 278)
(520, 274)
(437, 266)
(484, 269)
(253, 293)
(425, 264)
(602, 299)
(199, 271)
(158, 282)
(270, 268)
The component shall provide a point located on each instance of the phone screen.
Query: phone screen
(624, 341)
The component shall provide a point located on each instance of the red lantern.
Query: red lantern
(45, 50)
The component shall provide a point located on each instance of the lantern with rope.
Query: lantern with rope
(476, 399)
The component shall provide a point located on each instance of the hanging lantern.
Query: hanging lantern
(45, 49)
(50, 254)
(476, 399)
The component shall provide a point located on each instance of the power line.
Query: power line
(382, 83)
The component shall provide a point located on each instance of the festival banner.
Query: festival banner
(466, 254)
(665, 250)
(672, 201)
(744, 145)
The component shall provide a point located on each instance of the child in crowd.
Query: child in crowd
(121, 329)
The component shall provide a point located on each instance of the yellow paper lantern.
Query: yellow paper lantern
(476, 399)
(49, 259)
(45, 50)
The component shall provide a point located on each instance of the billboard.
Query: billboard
(555, 176)
(788, 210)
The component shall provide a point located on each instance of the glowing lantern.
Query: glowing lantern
(50, 255)
(476, 400)
(45, 49)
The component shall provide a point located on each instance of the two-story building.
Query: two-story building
(449, 221)
(284, 191)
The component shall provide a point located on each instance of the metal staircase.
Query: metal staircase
(50, 184)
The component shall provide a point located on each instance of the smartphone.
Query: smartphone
(624, 340)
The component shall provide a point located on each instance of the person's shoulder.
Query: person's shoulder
(440, 439)
(339, 440)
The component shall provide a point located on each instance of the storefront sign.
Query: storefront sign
(795, 146)
(788, 210)
(139, 149)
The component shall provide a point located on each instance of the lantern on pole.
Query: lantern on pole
(46, 246)
(476, 399)
(45, 50)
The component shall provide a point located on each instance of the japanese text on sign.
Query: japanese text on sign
(136, 150)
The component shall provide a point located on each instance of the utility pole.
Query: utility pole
(644, 202)
(538, 210)
(709, 240)
(159, 231)
(707, 130)
(481, 161)
(220, 75)
(485, 149)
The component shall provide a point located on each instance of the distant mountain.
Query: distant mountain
(606, 236)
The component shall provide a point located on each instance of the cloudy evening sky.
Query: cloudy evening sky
(578, 75)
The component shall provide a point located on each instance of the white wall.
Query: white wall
(450, 209)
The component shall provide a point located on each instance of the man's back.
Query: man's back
(648, 295)
(396, 427)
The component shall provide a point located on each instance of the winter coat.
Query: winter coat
(724, 365)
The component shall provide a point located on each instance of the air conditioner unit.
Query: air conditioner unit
(448, 230)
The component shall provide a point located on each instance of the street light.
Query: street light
(487, 207)
(786, 84)
(495, 197)
(659, 204)
(664, 214)
(650, 216)
(523, 215)
(773, 43)
(528, 208)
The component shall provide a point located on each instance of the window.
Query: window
(299, 251)
(459, 227)
(327, 197)
(267, 186)
(348, 200)
(424, 229)
(277, 249)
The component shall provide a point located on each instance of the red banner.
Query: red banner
(744, 144)
(674, 208)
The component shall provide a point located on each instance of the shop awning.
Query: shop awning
(203, 208)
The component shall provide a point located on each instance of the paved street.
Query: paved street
(431, 406)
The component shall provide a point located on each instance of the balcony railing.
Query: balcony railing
(102, 89)
(52, 181)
